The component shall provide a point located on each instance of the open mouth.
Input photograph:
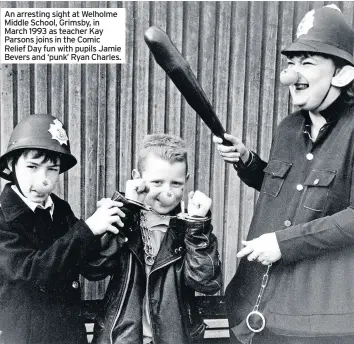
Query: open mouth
(301, 87)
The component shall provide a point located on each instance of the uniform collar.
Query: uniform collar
(32, 205)
(11, 204)
(333, 112)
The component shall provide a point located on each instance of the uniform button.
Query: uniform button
(287, 223)
(316, 181)
(299, 187)
(309, 156)
(75, 284)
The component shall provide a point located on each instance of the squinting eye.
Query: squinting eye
(156, 183)
(177, 185)
(32, 167)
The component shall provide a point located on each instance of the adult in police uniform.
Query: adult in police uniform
(294, 283)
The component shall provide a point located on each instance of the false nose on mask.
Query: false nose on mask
(167, 198)
(288, 77)
(44, 186)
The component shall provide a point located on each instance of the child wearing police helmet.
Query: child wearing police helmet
(43, 246)
(294, 283)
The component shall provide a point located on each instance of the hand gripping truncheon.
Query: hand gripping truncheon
(177, 68)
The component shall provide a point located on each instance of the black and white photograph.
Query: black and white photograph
(177, 172)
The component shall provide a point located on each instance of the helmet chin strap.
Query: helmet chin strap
(323, 99)
(326, 95)
(14, 178)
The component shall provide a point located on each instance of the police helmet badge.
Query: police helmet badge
(306, 24)
(58, 132)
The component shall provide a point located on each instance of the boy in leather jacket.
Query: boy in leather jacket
(161, 256)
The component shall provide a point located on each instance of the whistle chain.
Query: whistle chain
(255, 312)
(263, 286)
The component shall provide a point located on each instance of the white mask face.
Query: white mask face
(314, 80)
(166, 182)
(36, 178)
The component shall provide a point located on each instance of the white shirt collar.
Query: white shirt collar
(32, 205)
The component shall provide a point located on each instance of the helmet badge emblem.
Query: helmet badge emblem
(58, 132)
(306, 24)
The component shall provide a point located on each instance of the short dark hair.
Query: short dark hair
(168, 147)
(47, 155)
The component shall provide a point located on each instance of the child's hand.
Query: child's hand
(108, 212)
(136, 190)
(232, 153)
(198, 203)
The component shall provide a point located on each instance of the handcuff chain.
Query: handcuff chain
(146, 236)
(160, 215)
(263, 286)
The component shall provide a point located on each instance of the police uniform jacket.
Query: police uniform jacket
(39, 271)
(307, 199)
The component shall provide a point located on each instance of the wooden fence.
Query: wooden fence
(233, 47)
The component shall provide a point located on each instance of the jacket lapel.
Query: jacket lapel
(135, 242)
(172, 247)
(23, 220)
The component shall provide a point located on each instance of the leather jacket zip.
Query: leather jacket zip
(123, 298)
(148, 299)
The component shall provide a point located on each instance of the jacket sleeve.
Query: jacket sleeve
(104, 261)
(252, 173)
(202, 267)
(316, 237)
(21, 260)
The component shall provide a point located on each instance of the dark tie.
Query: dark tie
(44, 217)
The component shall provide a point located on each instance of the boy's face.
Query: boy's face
(315, 76)
(163, 178)
(36, 178)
